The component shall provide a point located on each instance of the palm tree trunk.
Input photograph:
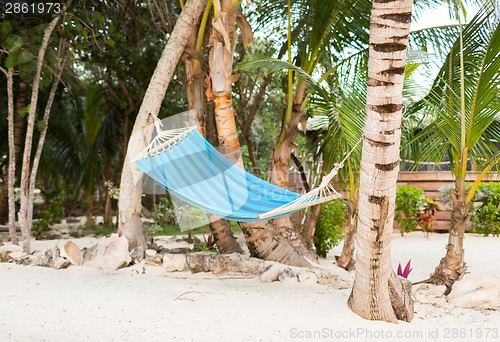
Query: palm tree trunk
(263, 241)
(452, 267)
(378, 294)
(129, 204)
(223, 236)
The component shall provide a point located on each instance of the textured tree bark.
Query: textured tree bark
(107, 196)
(377, 293)
(18, 143)
(265, 243)
(129, 205)
(281, 165)
(126, 114)
(261, 238)
(220, 59)
(310, 226)
(11, 177)
(223, 236)
(24, 220)
(452, 266)
(346, 258)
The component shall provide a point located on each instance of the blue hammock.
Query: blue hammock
(191, 169)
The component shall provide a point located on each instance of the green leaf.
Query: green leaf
(46, 82)
(100, 18)
(14, 42)
(25, 56)
(40, 124)
(13, 59)
(111, 42)
(5, 28)
(27, 71)
(23, 111)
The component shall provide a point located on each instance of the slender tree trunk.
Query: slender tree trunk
(24, 220)
(126, 114)
(194, 81)
(223, 236)
(11, 176)
(281, 165)
(4, 200)
(251, 156)
(346, 258)
(261, 238)
(107, 196)
(452, 267)
(378, 294)
(310, 225)
(43, 133)
(129, 204)
(18, 143)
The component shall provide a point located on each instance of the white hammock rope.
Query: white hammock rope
(325, 192)
(163, 140)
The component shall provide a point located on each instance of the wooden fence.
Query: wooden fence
(429, 181)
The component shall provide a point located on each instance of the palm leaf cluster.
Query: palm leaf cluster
(473, 133)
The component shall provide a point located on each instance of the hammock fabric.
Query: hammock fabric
(191, 169)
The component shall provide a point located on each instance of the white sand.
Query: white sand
(143, 303)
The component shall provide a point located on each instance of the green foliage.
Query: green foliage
(54, 213)
(486, 218)
(409, 203)
(467, 134)
(445, 194)
(426, 215)
(95, 230)
(207, 245)
(163, 212)
(329, 228)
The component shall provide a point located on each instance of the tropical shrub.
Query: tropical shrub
(54, 213)
(486, 218)
(409, 203)
(329, 228)
(163, 212)
(426, 215)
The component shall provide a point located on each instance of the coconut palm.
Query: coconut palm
(463, 105)
(326, 29)
(378, 294)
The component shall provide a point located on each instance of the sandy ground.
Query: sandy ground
(144, 303)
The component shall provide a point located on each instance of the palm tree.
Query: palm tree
(261, 238)
(463, 104)
(322, 30)
(378, 294)
(224, 237)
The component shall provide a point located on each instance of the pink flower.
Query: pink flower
(406, 272)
